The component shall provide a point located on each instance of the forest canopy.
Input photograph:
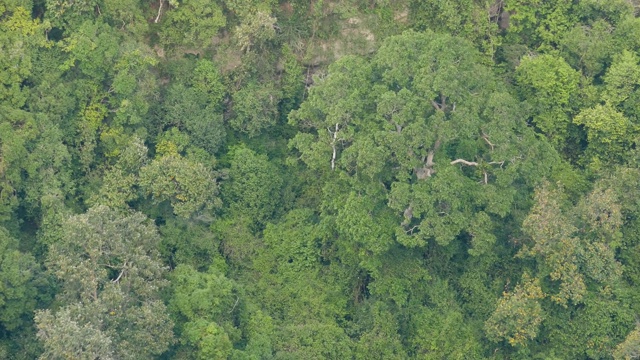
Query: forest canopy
(327, 179)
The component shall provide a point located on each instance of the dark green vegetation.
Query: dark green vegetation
(349, 179)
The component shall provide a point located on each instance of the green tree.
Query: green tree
(253, 187)
(205, 301)
(551, 87)
(110, 276)
(19, 274)
(192, 23)
(574, 248)
(255, 108)
(188, 185)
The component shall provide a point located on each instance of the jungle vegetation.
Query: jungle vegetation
(324, 179)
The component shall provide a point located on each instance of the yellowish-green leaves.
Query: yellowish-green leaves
(518, 315)
(629, 349)
(574, 248)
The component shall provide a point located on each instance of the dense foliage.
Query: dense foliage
(327, 179)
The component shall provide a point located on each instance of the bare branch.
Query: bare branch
(486, 139)
(124, 267)
(234, 305)
(410, 231)
(159, 12)
(333, 146)
(465, 162)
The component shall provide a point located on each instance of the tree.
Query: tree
(206, 301)
(194, 110)
(253, 187)
(19, 274)
(610, 133)
(629, 349)
(574, 248)
(518, 315)
(550, 85)
(192, 23)
(255, 108)
(622, 82)
(189, 186)
(110, 276)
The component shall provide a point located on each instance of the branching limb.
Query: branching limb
(159, 12)
(465, 162)
(124, 267)
(333, 145)
(485, 137)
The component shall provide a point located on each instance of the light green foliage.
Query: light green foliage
(622, 82)
(550, 85)
(609, 132)
(291, 286)
(518, 315)
(312, 340)
(189, 186)
(205, 300)
(332, 111)
(110, 278)
(20, 35)
(207, 82)
(366, 229)
(92, 49)
(433, 315)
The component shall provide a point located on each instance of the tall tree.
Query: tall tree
(110, 277)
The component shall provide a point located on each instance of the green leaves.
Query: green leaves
(205, 300)
(551, 86)
(110, 277)
(189, 186)
(18, 280)
(192, 23)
